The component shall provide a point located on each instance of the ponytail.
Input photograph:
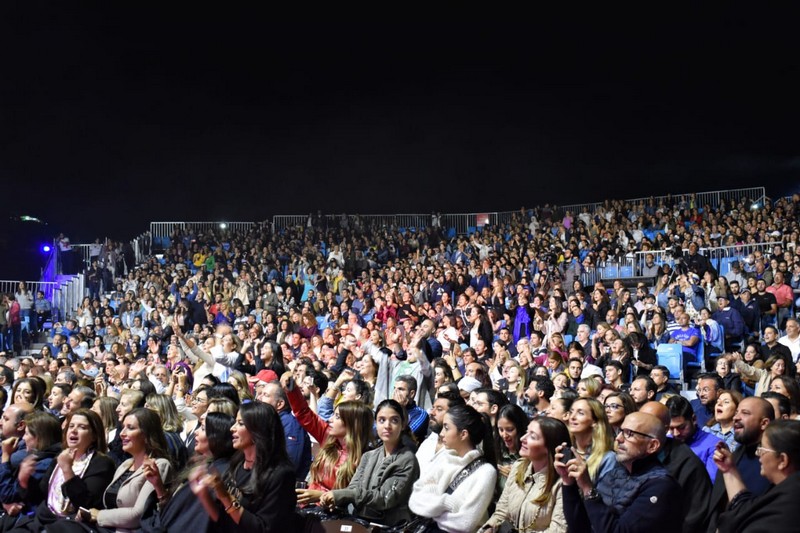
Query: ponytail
(478, 427)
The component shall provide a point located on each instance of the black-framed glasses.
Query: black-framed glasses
(629, 434)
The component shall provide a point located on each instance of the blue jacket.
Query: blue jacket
(731, 320)
(298, 444)
(703, 445)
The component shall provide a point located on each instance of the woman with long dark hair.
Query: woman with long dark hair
(257, 492)
(455, 493)
(382, 484)
(178, 509)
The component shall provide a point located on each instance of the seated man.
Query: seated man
(405, 389)
(683, 427)
(660, 376)
(731, 321)
(688, 336)
(641, 494)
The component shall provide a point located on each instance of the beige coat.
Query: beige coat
(516, 505)
(132, 498)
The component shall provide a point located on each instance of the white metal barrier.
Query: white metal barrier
(161, 232)
(11, 287)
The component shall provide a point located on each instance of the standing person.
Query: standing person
(454, 494)
(257, 492)
(531, 500)
(380, 489)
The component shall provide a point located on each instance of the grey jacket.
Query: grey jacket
(381, 486)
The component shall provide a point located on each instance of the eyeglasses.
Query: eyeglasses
(629, 434)
(761, 449)
(614, 406)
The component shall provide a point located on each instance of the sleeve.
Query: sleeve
(653, 504)
(197, 354)
(501, 509)
(87, 491)
(273, 510)
(393, 491)
(325, 407)
(8, 484)
(749, 372)
(465, 508)
(311, 422)
(558, 521)
(130, 517)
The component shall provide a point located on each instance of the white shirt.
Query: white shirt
(793, 345)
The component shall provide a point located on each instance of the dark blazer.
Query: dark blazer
(84, 491)
(774, 512)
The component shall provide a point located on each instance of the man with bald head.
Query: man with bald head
(687, 469)
(752, 417)
(642, 494)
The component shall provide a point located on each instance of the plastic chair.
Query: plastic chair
(671, 356)
(568, 339)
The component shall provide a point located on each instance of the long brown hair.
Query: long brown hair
(555, 433)
(357, 419)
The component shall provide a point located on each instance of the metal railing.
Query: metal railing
(633, 266)
(161, 232)
(47, 287)
(700, 199)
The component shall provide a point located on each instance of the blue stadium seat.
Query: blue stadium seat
(671, 356)
(451, 233)
(568, 339)
(471, 230)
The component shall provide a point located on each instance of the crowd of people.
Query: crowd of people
(262, 381)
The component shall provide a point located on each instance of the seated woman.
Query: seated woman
(592, 436)
(381, 486)
(343, 440)
(721, 424)
(128, 496)
(43, 443)
(730, 380)
(455, 492)
(774, 366)
(511, 426)
(129, 399)
(77, 478)
(618, 405)
(257, 492)
(531, 500)
(178, 509)
(172, 424)
(773, 511)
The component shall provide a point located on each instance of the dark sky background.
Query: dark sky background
(115, 117)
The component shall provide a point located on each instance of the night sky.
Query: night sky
(116, 117)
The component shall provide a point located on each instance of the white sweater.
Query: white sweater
(464, 510)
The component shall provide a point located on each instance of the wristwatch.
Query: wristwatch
(235, 505)
(592, 494)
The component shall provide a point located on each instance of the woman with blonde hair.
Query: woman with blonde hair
(172, 424)
(239, 382)
(592, 436)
